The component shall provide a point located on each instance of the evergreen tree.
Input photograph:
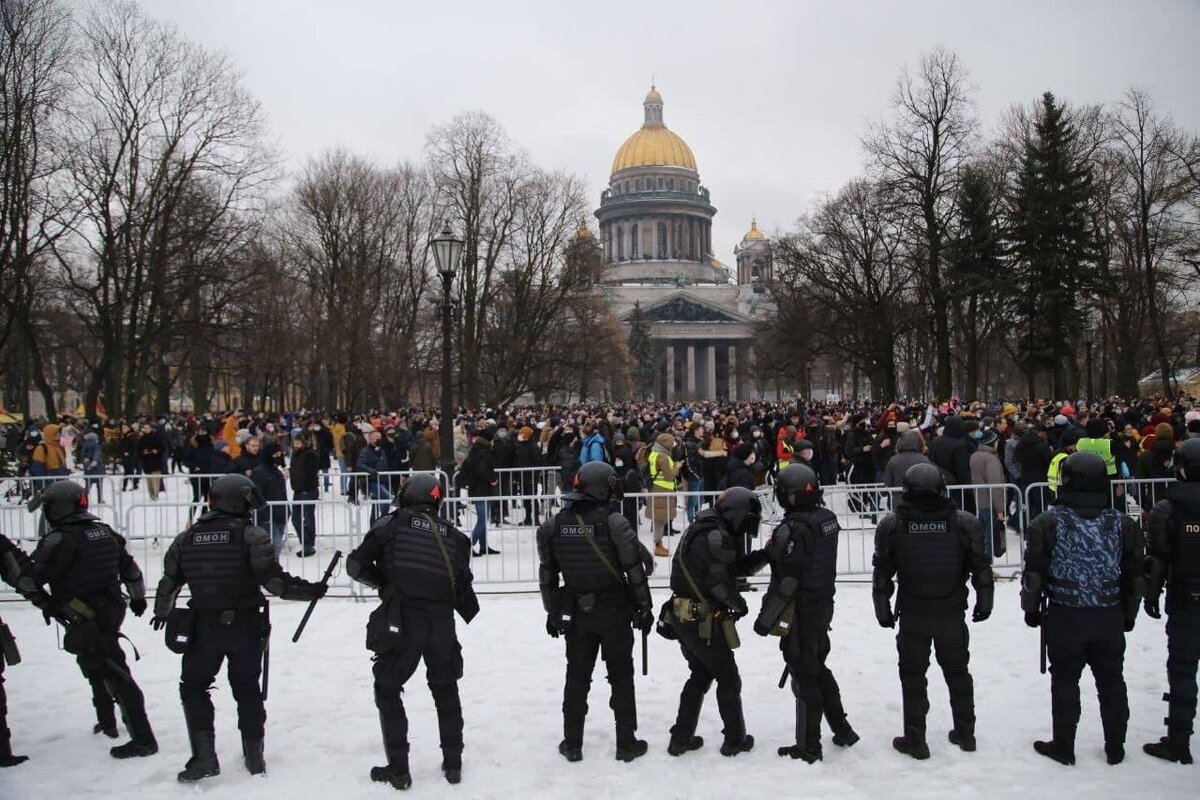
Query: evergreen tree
(974, 274)
(1054, 246)
(642, 351)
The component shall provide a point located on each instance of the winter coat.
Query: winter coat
(420, 457)
(150, 451)
(592, 449)
(738, 474)
(1154, 462)
(93, 459)
(49, 458)
(270, 482)
(908, 454)
(304, 470)
(1033, 457)
(662, 510)
(482, 469)
(987, 469)
(951, 453)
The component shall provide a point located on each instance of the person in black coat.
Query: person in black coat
(952, 455)
(480, 469)
(739, 472)
(1033, 456)
(268, 477)
(303, 476)
(204, 461)
(527, 458)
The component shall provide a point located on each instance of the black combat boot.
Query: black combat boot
(844, 735)
(7, 759)
(452, 767)
(628, 751)
(570, 751)
(911, 746)
(678, 747)
(203, 763)
(108, 730)
(732, 748)
(252, 752)
(965, 741)
(1175, 748)
(390, 775)
(809, 755)
(137, 747)
(1061, 752)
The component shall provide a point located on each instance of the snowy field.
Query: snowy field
(323, 734)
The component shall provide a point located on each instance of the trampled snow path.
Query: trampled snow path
(323, 735)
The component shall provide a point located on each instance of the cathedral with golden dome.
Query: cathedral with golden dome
(657, 257)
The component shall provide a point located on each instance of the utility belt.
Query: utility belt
(686, 611)
(181, 623)
(588, 602)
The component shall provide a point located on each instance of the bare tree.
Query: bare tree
(35, 63)
(918, 154)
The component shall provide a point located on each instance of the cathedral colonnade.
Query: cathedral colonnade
(703, 369)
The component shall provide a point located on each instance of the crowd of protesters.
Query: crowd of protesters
(657, 448)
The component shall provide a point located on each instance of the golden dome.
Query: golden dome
(584, 233)
(654, 145)
(754, 234)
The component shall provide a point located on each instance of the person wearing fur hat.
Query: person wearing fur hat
(664, 471)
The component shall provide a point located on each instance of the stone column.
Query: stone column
(691, 372)
(731, 360)
(710, 384)
(670, 373)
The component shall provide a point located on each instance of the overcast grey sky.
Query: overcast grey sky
(773, 97)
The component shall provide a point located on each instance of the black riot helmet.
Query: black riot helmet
(924, 481)
(1187, 460)
(62, 502)
(420, 491)
(1084, 472)
(235, 494)
(741, 509)
(797, 487)
(597, 481)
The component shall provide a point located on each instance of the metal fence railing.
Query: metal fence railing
(510, 519)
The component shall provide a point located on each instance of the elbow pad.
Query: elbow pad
(364, 572)
(775, 602)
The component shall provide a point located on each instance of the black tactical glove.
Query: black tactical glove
(644, 620)
(883, 612)
(1033, 618)
(980, 614)
(731, 614)
(557, 625)
(138, 606)
(1151, 606)
(1129, 621)
(158, 623)
(761, 627)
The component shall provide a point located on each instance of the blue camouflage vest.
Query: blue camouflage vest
(1085, 566)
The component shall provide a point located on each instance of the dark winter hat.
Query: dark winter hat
(743, 451)
(1096, 428)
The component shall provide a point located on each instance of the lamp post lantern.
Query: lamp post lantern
(447, 251)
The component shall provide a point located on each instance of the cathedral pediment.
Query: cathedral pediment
(682, 307)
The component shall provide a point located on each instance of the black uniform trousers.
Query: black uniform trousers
(427, 634)
(606, 631)
(5, 734)
(805, 649)
(708, 661)
(1093, 637)
(108, 672)
(1183, 656)
(241, 642)
(946, 633)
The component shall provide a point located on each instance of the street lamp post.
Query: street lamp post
(447, 250)
(1091, 395)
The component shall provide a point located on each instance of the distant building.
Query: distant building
(1184, 379)
(656, 244)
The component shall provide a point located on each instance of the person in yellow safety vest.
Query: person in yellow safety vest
(784, 448)
(664, 471)
(1069, 445)
(1097, 441)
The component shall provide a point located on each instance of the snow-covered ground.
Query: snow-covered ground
(323, 734)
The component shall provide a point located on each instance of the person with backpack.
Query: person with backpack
(1083, 582)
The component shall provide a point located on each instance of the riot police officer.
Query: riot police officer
(13, 562)
(421, 565)
(1174, 559)
(706, 605)
(931, 548)
(1085, 558)
(224, 559)
(85, 563)
(604, 589)
(799, 607)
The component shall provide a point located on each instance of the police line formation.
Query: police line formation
(1086, 575)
